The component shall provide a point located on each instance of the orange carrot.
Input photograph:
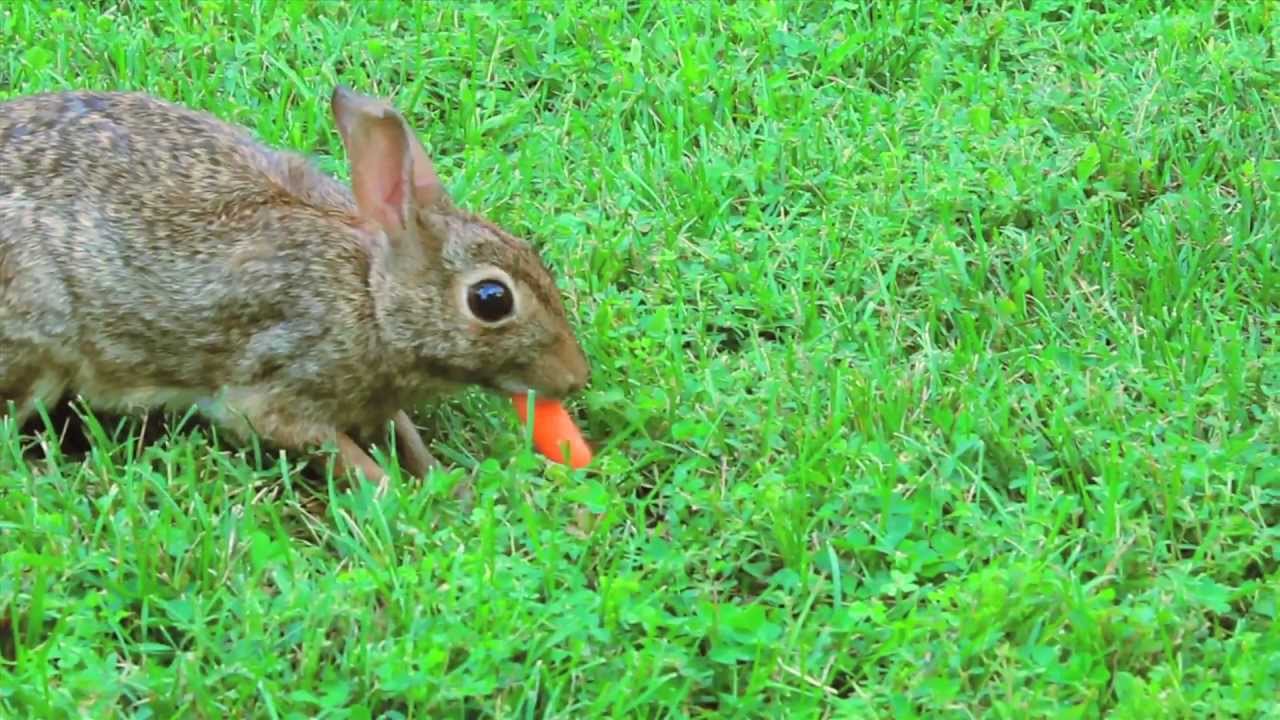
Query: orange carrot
(552, 429)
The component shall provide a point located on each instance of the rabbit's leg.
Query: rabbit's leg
(413, 452)
(350, 457)
(245, 412)
(35, 317)
(27, 386)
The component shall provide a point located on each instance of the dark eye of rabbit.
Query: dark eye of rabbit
(490, 300)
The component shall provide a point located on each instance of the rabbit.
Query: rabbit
(154, 257)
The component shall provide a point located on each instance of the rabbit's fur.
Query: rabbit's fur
(152, 256)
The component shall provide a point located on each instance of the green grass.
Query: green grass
(937, 374)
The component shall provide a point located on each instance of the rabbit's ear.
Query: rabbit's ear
(391, 174)
(427, 188)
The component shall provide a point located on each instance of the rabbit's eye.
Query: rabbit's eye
(490, 300)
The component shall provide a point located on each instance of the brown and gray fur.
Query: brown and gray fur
(152, 256)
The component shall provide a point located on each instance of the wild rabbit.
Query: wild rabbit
(152, 256)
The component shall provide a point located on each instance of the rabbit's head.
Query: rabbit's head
(461, 300)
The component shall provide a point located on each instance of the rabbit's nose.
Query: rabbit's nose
(577, 371)
(577, 382)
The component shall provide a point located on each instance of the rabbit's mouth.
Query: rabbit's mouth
(548, 380)
(508, 385)
(453, 374)
(504, 382)
(512, 386)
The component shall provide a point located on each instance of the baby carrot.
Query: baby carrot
(553, 428)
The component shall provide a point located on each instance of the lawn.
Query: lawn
(936, 374)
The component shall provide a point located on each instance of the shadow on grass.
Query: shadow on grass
(71, 433)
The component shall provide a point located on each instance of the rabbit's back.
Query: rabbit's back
(157, 161)
(161, 251)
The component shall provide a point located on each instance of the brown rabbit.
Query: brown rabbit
(152, 256)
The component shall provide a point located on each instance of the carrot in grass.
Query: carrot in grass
(552, 429)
